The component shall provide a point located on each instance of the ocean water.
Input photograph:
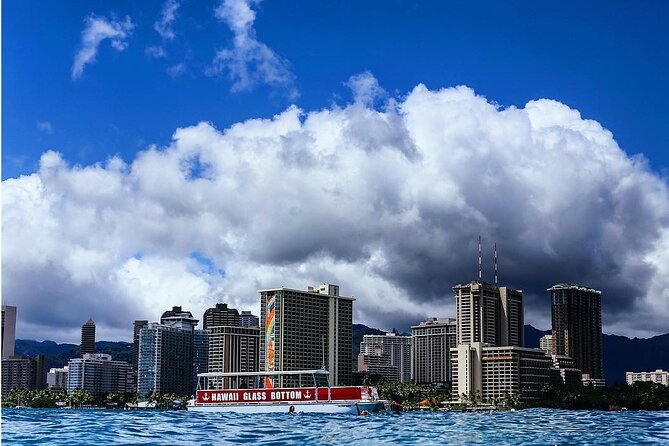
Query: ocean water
(534, 426)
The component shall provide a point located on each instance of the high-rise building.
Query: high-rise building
(88, 337)
(57, 378)
(8, 331)
(166, 359)
(494, 372)
(546, 343)
(577, 327)
(512, 319)
(489, 314)
(200, 354)
(137, 327)
(39, 371)
(234, 349)
(177, 317)
(17, 373)
(221, 315)
(397, 348)
(431, 341)
(375, 362)
(21, 372)
(304, 330)
(249, 320)
(97, 373)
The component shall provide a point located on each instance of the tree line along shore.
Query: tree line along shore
(408, 396)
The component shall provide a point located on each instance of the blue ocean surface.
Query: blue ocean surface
(533, 426)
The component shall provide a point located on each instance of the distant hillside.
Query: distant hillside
(59, 354)
(621, 354)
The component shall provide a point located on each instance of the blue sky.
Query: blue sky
(609, 60)
(182, 152)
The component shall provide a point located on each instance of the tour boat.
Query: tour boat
(264, 392)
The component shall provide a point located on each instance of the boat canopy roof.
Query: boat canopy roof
(286, 372)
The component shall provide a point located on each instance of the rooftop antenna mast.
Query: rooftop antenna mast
(495, 263)
(480, 270)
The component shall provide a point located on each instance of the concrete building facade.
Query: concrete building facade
(303, 330)
(166, 359)
(97, 373)
(375, 362)
(17, 373)
(658, 376)
(431, 342)
(493, 372)
(249, 320)
(234, 349)
(396, 347)
(57, 378)
(8, 329)
(490, 314)
(546, 343)
(220, 315)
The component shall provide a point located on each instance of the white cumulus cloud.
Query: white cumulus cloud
(248, 61)
(96, 30)
(163, 26)
(388, 204)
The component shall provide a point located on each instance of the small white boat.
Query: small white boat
(255, 392)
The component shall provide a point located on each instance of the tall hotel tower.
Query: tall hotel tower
(577, 326)
(88, 337)
(490, 314)
(304, 330)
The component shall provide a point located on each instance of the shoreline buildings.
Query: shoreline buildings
(97, 373)
(232, 346)
(431, 343)
(57, 378)
(490, 314)
(22, 372)
(490, 359)
(166, 354)
(576, 315)
(387, 355)
(306, 330)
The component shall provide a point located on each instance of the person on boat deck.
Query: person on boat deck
(291, 409)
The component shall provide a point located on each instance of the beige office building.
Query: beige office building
(431, 341)
(305, 330)
(490, 314)
(234, 349)
(496, 371)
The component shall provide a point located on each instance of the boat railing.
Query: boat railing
(256, 380)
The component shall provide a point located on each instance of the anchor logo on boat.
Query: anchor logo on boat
(307, 395)
(206, 397)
